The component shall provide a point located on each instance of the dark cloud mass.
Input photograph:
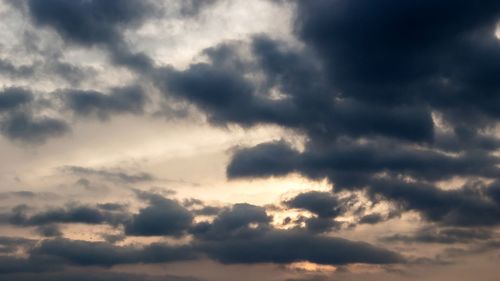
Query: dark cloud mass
(92, 276)
(395, 105)
(11, 98)
(69, 214)
(110, 175)
(288, 246)
(388, 72)
(28, 128)
(89, 22)
(162, 216)
(103, 254)
(120, 100)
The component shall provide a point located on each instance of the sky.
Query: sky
(271, 140)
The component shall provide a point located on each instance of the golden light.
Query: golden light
(312, 267)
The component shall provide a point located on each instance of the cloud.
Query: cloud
(323, 204)
(408, 108)
(93, 276)
(466, 206)
(92, 103)
(12, 264)
(11, 98)
(89, 22)
(9, 69)
(162, 216)
(69, 214)
(371, 218)
(241, 220)
(25, 127)
(291, 246)
(442, 236)
(243, 234)
(110, 175)
(9, 245)
(193, 7)
(103, 254)
(49, 230)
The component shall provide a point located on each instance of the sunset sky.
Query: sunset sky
(249, 140)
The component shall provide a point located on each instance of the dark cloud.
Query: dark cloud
(89, 22)
(110, 175)
(392, 98)
(378, 99)
(86, 253)
(92, 103)
(241, 220)
(320, 224)
(9, 69)
(98, 22)
(442, 236)
(375, 52)
(10, 245)
(207, 211)
(48, 66)
(11, 98)
(218, 91)
(349, 163)
(243, 234)
(69, 214)
(162, 216)
(371, 218)
(27, 128)
(291, 246)
(112, 206)
(193, 7)
(466, 206)
(49, 230)
(92, 276)
(21, 194)
(268, 159)
(323, 204)
(12, 264)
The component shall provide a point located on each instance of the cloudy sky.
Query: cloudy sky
(272, 140)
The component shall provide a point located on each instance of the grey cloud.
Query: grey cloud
(9, 245)
(11, 98)
(22, 126)
(289, 246)
(49, 230)
(89, 22)
(115, 175)
(162, 216)
(242, 234)
(92, 103)
(103, 254)
(69, 214)
(94, 275)
(442, 236)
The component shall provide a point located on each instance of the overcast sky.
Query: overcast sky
(270, 140)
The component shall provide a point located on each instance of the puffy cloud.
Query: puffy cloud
(92, 103)
(27, 128)
(11, 98)
(291, 246)
(86, 253)
(89, 22)
(163, 216)
(442, 236)
(69, 214)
